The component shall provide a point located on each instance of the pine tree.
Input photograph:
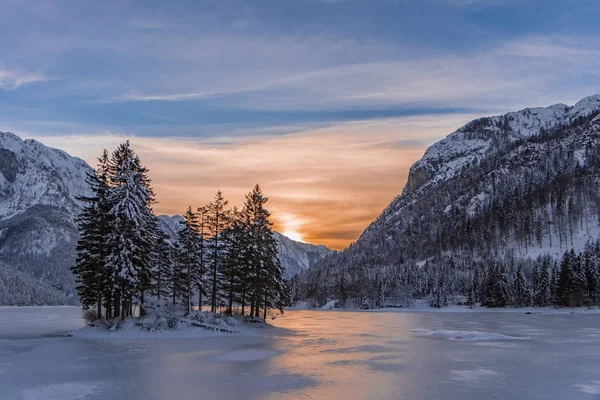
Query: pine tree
(91, 270)
(554, 286)
(266, 278)
(520, 290)
(541, 294)
(218, 219)
(134, 228)
(590, 271)
(567, 286)
(235, 259)
(200, 277)
(163, 268)
(190, 253)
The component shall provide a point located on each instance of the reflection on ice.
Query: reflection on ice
(323, 354)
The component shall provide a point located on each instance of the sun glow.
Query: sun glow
(292, 234)
(291, 225)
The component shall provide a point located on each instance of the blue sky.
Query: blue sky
(221, 75)
(196, 68)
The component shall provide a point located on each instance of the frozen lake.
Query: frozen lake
(313, 354)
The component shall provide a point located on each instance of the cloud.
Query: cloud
(361, 75)
(10, 80)
(327, 183)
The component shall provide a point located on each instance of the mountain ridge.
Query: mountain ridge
(505, 189)
(39, 187)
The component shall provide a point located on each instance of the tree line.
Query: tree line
(572, 281)
(226, 257)
(525, 196)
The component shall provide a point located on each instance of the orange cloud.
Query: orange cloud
(325, 185)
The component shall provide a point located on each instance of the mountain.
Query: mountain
(502, 189)
(38, 190)
(296, 257)
(39, 187)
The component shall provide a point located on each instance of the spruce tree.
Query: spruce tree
(267, 284)
(565, 284)
(218, 219)
(134, 229)
(163, 268)
(235, 259)
(91, 268)
(520, 290)
(190, 243)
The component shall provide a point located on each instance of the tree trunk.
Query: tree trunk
(117, 301)
(142, 312)
(213, 305)
(243, 300)
(265, 311)
(230, 306)
(99, 305)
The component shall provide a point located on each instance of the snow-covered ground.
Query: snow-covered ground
(321, 355)
(29, 322)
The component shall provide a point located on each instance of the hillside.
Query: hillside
(501, 189)
(39, 187)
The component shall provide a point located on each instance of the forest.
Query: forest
(515, 227)
(224, 259)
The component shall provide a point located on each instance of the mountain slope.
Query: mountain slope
(39, 187)
(38, 190)
(296, 257)
(499, 189)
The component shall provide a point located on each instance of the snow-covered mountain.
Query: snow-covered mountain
(32, 174)
(502, 189)
(296, 257)
(475, 140)
(38, 190)
(39, 187)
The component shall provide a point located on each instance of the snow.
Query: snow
(247, 355)
(445, 159)
(329, 355)
(463, 335)
(295, 256)
(38, 321)
(61, 391)
(45, 176)
(472, 376)
(300, 305)
(330, 305)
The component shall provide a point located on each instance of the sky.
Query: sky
(325, 103)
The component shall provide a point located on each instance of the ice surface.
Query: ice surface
(310, 354)
(247, 355)
(61, 391)
(472, 376)
(463, 335)
(25, 322)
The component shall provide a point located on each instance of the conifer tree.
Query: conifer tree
(91, 270)
(235, 259)
(566, 283)
(134, 229)
(267, 284)
(520, 291)
(163, 268)
(218, 219)
(190, 252)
